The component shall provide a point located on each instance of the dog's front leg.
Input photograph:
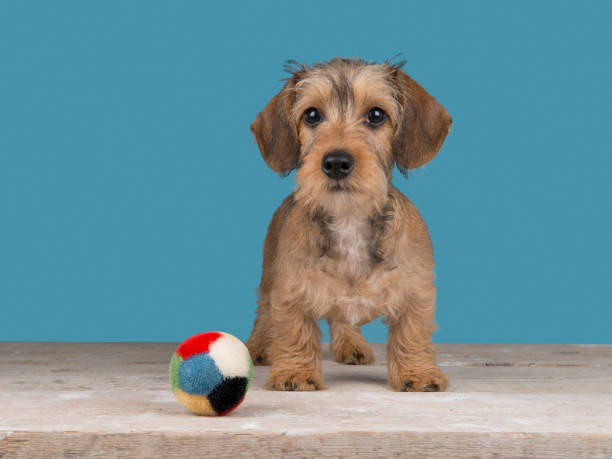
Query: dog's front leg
(296, 349)
(410, 352)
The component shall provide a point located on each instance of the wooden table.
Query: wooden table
(114, 400)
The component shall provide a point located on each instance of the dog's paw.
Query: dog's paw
(430, 381)
(353, 353)
(259, 355)
(260, 358)
(300, 380)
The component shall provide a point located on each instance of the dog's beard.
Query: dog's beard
(343, 197)
(336, 186)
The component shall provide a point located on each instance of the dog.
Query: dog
(346, 245)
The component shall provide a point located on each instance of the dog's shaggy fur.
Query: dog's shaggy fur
(354, 249)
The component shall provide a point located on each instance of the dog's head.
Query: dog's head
(344, 124)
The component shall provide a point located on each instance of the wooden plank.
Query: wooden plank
(362, 444)
(113, 400)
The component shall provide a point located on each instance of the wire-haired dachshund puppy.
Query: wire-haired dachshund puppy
(346, 245)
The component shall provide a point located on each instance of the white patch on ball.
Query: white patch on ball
(230, 355)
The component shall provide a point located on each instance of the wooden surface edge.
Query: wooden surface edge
(354, 444)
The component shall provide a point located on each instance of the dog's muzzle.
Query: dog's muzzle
(337, 164)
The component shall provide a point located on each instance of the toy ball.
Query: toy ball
(210, 373)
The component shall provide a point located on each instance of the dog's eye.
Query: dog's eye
(376, 117)
(312, 117)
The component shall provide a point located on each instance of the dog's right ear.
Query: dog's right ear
(425, 124)
(276, 135)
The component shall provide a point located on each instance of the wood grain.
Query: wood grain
(113, 400)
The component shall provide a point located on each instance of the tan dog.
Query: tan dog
(346, 245)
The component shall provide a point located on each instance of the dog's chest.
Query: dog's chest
(350, 245)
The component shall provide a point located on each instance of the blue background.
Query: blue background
(134, 201)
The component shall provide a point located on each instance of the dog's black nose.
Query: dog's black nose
(337, 164)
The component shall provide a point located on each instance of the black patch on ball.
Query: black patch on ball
(228, 393)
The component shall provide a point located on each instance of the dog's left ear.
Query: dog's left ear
(423, 128)
(275, 134)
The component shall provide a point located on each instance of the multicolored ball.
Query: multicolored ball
(210, 373)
